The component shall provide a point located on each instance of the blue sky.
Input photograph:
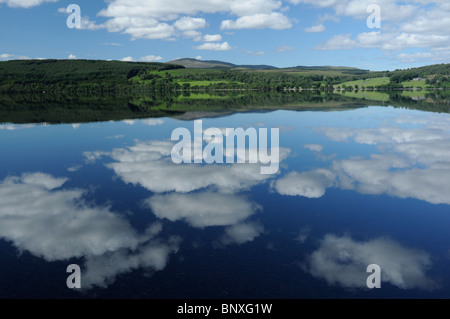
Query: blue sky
(280, 33)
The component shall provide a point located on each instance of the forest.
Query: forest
(95, 76)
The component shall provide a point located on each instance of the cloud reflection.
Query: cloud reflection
(343, 261)
(203, 209)
(413, 163)
(38, 216)
(200, 195)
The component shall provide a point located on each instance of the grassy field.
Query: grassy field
(200, 96)
(414, 94)
(368, 95)
(203, 83)
(415, 84)
(369, 82)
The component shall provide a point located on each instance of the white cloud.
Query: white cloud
(259, 53)
(202, 209)
(241, 233)
(151, 58)
(274, 20)
(127, 59)
(13, 127)
(149, 164)
(406, 25)
(25, 3)
(338, 42)
(198, 36)
(102, 270)
(151, 19)
(189, 23)
(390, 10)
(309, 184)
(87, 24)
(316, 28)
(72, 56)
(33, 203)
(152, 122)
(343, 261)
(215, 46)
(413, 163)
(314, 147)
(193, 34)
(7, 56)
(212, 38)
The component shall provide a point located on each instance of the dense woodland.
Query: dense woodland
(106, 76)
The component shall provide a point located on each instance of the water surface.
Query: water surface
(355, 187)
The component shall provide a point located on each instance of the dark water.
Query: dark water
(356, 187)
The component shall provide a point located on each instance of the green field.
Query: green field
(203, 83)
(414, 94)
(200, 96)
(369, 82)
(367, 95)
(415, 84)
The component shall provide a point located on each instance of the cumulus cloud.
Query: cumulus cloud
(316, 28)
(242, 233)
(308, 184)
(274, 20)
(314, 147)
(127, 59)
(215, 46)
(202, 209)
(406, 25)
(413, 163)
(212, 37)
(152, 122)
(151, 58)
(343, 261)
(33, 203)
(25, 3)
(102, 270)
(149, 164)
(158, 19)
(338, 42)
(394, 176)
(189, 23)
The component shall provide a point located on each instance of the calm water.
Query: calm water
(357, 187)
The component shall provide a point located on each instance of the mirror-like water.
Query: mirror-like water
(355, 188)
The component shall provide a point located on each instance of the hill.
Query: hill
(63, 73)
(214, 64)
(101, 76)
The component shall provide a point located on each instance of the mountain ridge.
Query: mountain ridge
(191, 63)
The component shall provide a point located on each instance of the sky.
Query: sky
(367, 34)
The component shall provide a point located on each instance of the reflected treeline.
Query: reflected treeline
(431, 101)
(79, 108)
(59, 108)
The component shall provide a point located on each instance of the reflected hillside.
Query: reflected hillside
(82, 108)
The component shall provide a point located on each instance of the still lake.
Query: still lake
(355, 187)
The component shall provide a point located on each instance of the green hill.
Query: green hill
(63, 73)
(214, 64)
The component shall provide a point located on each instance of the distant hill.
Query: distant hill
(214, 64)
(32, 74)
